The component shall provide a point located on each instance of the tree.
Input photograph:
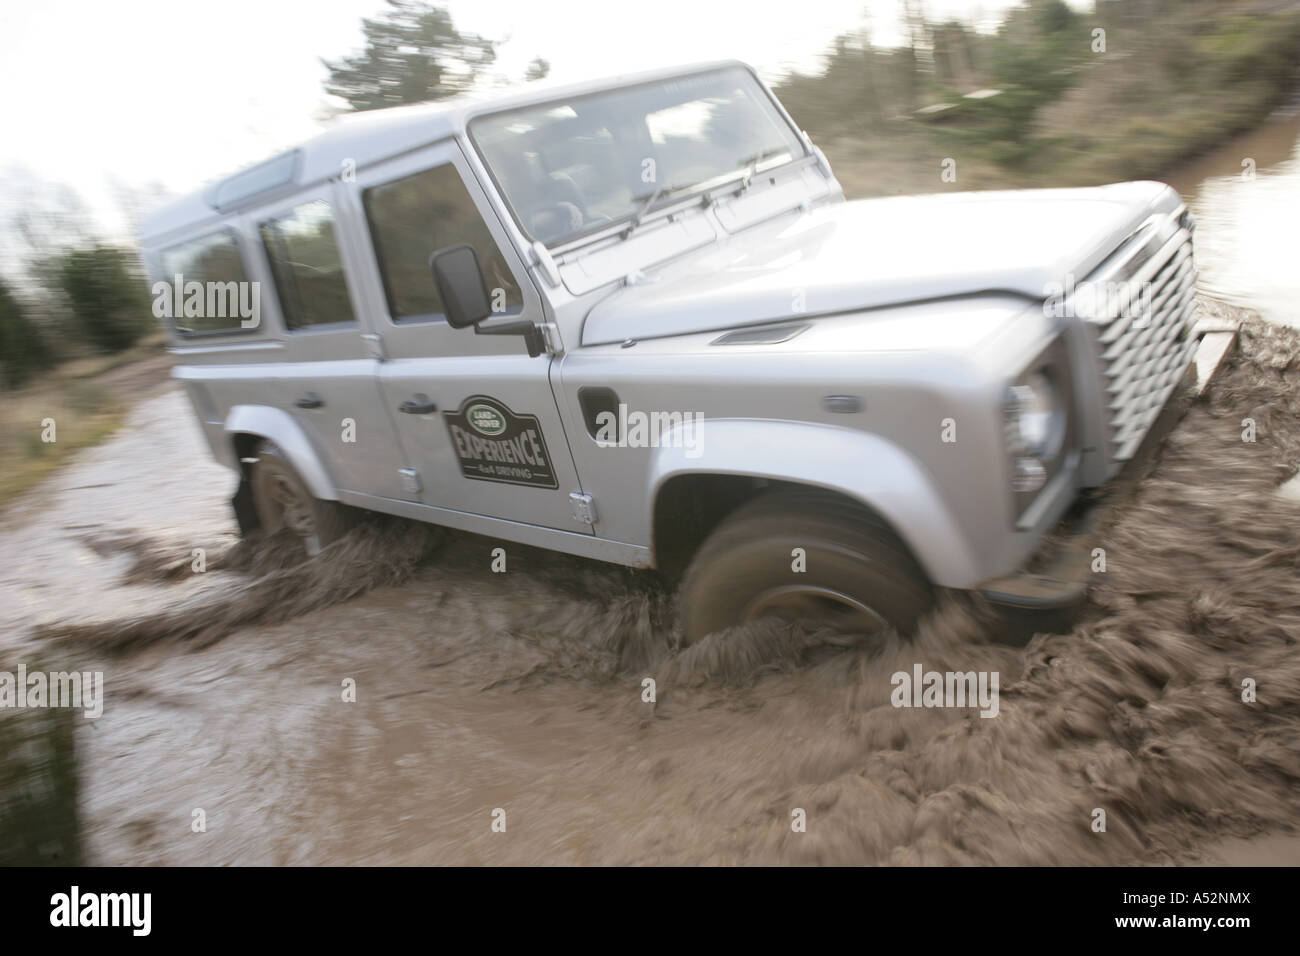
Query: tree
(23, 350)
(413, 54)
(1029, 62)
(106, 294)
(538, 69)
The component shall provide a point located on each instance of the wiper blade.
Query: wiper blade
(750, 164)
(649, 201)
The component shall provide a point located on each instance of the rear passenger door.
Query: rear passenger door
(327, 377)
(476, 416)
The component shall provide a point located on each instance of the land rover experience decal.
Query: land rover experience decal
(495, 444)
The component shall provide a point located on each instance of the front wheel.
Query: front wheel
(283, 501)
(803, 555)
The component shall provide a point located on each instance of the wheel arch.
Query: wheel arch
(248, 425)
(693, 487)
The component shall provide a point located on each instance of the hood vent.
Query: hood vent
(768, 335)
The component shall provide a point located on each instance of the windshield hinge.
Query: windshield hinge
(546, 264)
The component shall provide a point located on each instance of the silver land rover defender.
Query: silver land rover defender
(636, 321)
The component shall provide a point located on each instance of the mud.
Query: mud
(523, 690)
(275, 584)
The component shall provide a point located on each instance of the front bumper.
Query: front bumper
(1062, 569)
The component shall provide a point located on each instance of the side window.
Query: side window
(215, 262)
(308, 271)
(412, 218)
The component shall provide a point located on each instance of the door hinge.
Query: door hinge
(410, 480)
(584, 509)
(374, 345)
(551, 336)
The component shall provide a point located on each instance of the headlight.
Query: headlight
(1033, 417)
(1040, 433)
(1035, 428)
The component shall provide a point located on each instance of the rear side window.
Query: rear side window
(308, 271)
(223, 302)
(412, 218)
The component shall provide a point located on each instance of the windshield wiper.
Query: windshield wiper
(751, 164)
(649, 201)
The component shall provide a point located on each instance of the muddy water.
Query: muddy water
(523, 691)
(1246, 198)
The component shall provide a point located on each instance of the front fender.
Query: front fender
(863, 466)
(279, 427)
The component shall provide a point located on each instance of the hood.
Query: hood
(860, 255)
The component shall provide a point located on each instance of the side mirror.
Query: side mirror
(459, 281)
(464, 296)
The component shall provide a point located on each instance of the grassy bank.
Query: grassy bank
(87, 399)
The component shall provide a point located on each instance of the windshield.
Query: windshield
(569, 167)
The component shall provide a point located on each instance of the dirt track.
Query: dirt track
(523, 690)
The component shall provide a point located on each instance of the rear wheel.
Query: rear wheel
(852, 572)
(283, 502)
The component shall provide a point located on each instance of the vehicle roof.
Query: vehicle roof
(375, 135)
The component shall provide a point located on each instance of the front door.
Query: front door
(476, 416)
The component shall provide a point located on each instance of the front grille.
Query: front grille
(1145, 351)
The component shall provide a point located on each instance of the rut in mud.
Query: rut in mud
(1138, 712)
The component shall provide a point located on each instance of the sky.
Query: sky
(177, 92)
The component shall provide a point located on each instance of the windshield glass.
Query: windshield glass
(572, 166)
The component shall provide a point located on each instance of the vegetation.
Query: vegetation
(78, 345)
(1054, 97)
(23, 348)
(413, 54)
(107, 296)
(538, 69)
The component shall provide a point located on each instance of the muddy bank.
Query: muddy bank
(523, 691)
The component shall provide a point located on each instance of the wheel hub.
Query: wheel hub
(294, 512)
(795, 602)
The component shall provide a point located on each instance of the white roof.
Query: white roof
(375, 135)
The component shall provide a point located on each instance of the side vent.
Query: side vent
(593, 400)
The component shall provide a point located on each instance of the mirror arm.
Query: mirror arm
(529, 330)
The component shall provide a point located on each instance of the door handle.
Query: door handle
(420, 405)
(310, 400)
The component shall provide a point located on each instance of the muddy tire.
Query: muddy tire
(283, 501)
(858, 575)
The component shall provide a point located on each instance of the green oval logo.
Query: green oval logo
(485, 420)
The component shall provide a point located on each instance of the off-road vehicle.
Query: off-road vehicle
(636, 320)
